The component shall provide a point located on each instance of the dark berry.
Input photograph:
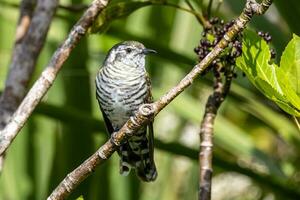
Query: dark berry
(217, 31)
(273, 53)
(265, 35)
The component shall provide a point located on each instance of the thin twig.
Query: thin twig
(201, 19)
(209, 8)
(82, 7)
(206, 132)
(30, 37)
(146, 112)
(48, 76)
(198, 15)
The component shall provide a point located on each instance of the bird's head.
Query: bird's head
(131, 53)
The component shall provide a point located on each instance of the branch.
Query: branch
(73, 115)
(213, 103)
(206, 132)
(48, 76)
(30, 36)
(8, 101)
(148, 111)
(81, 7)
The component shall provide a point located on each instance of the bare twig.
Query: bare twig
(48, 76)
(148, 111)
(201, 19)
(82, 7)
(198, 15)
(209, 8)
(214, 102)
(30, 36)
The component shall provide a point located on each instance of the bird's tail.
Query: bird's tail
(138, 154)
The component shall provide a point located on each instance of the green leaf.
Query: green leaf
(288, 89)
(268, 90)
(255, 61)
(289, 73)
(288, 108)
(290, 63)
(280, 84)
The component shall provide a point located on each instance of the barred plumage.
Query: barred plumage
(122, 85)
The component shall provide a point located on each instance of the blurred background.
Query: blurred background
(257, 146)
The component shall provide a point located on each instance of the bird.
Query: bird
(122, 86)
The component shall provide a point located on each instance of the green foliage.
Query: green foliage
(251, 137)
(280, 84)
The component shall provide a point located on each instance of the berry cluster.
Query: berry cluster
(268, 38)
(265, 35)
(211, 36)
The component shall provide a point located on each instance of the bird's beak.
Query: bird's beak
(148, 51)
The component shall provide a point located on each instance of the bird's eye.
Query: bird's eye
(128, 50)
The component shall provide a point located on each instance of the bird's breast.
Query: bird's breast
(120, 95)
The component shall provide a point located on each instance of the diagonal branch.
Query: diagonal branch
(30, 36)
(73, 115)
(148, 111)
(8, 100)
(48, 76)
(213, 104)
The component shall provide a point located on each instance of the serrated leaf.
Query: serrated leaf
(288, 89)
(116, 11)
(278, 84)
(289, 73)
(290, 63)
(268, 90)
(255, 60)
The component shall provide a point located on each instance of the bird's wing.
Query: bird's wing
(149, 99)
(107, 122)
